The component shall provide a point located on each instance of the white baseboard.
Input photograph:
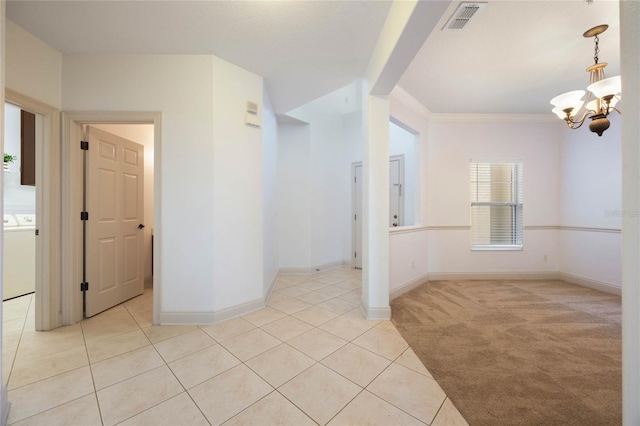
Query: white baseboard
(371, 313)
(200, 318)
(522, 275)
(376, 314)
(5, 405)
(315, 269)
(269, 290)
(404, 288)
(507, 275)
(593, 284)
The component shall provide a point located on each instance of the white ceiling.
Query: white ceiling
(304, 49)
(511, 58)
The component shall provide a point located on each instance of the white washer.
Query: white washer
(19, 272)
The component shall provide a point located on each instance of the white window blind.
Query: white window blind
(496, 205)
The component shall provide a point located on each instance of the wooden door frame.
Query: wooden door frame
(47, 296)
(72, 178)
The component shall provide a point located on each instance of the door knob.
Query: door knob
(140, 226)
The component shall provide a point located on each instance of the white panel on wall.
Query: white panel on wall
(408, 257)
(592, 255)
(449, 252)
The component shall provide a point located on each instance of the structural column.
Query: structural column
(375, 277)
(630, 67)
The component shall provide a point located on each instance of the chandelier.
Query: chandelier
(602, 95)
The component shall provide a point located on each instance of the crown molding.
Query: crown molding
(413, 104)
(496, 118)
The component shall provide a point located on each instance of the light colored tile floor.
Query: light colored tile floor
(310, 358)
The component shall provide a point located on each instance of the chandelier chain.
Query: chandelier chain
(596, 49)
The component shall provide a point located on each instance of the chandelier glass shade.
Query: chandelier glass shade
(597, 101)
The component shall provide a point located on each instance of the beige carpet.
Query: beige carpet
(521, 352)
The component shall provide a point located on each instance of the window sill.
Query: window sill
(497, 248)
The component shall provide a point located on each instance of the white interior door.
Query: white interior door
(115, 206)
(357, 216)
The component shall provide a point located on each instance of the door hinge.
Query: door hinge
(84, 215)
(84, 145)
(355, 254)
(37, 232)
(355, 217)
(84, 286)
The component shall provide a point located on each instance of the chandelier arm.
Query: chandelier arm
(616, 110)
(572, 126)
(571, 122)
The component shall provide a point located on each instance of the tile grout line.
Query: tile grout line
(285, 315)
(137, 375)
(435, 416)
(93, 382)
(15, 355)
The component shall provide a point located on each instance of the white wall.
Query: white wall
(571, 188)
(452, 144)
(441, 246)
(210, 167)
(315, 180)
(294, 196)
(181, 88)
(142, 134)
(269, 192)
(237, 187)
(33, 67)
(592, 201)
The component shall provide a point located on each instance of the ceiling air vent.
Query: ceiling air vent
(463, 15)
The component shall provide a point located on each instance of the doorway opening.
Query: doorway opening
(122, 183)
(404, 186)
(403, 142)
(396, 202)
(22, 129)
(34, 178)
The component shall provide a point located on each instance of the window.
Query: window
(496, 206)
